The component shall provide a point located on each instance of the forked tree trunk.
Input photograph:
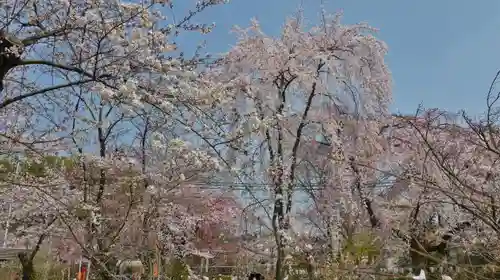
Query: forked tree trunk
(28, 269)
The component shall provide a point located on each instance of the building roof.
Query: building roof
(7, 254)
(205, 255)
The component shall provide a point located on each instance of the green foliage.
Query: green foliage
(297, 267)
(9, 269)
(361, 247)
(45, 268)
(35, 168)
(177, 270)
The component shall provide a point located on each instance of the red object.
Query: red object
(155, 270)
(82, 275)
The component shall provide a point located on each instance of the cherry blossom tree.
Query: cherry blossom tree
(450, 163)
(119, 204)
(34, 199)
(394, 195)
(99, 43)
(409, 202)
(176, 205)
(278, 84)
(115, 63)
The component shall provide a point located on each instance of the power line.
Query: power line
(245, 186)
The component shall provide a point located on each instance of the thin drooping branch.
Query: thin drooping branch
(12, 100)
(374, 220)
(298, 137)
(101, 138)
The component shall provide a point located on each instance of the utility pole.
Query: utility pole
(7, 223)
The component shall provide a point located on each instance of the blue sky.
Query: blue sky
(442, 53)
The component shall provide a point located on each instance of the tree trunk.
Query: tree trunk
(7, 59)
(310, 267)
(280, 273)
(418, 257)
(28, 269)
(278, 228)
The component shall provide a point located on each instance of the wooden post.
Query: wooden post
(79, 270)
(158, 262)
(88, 270)
(156, 265)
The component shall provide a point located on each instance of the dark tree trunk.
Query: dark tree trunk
(7, 59)
(28, 270)
(418, 256)
(310, 269)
